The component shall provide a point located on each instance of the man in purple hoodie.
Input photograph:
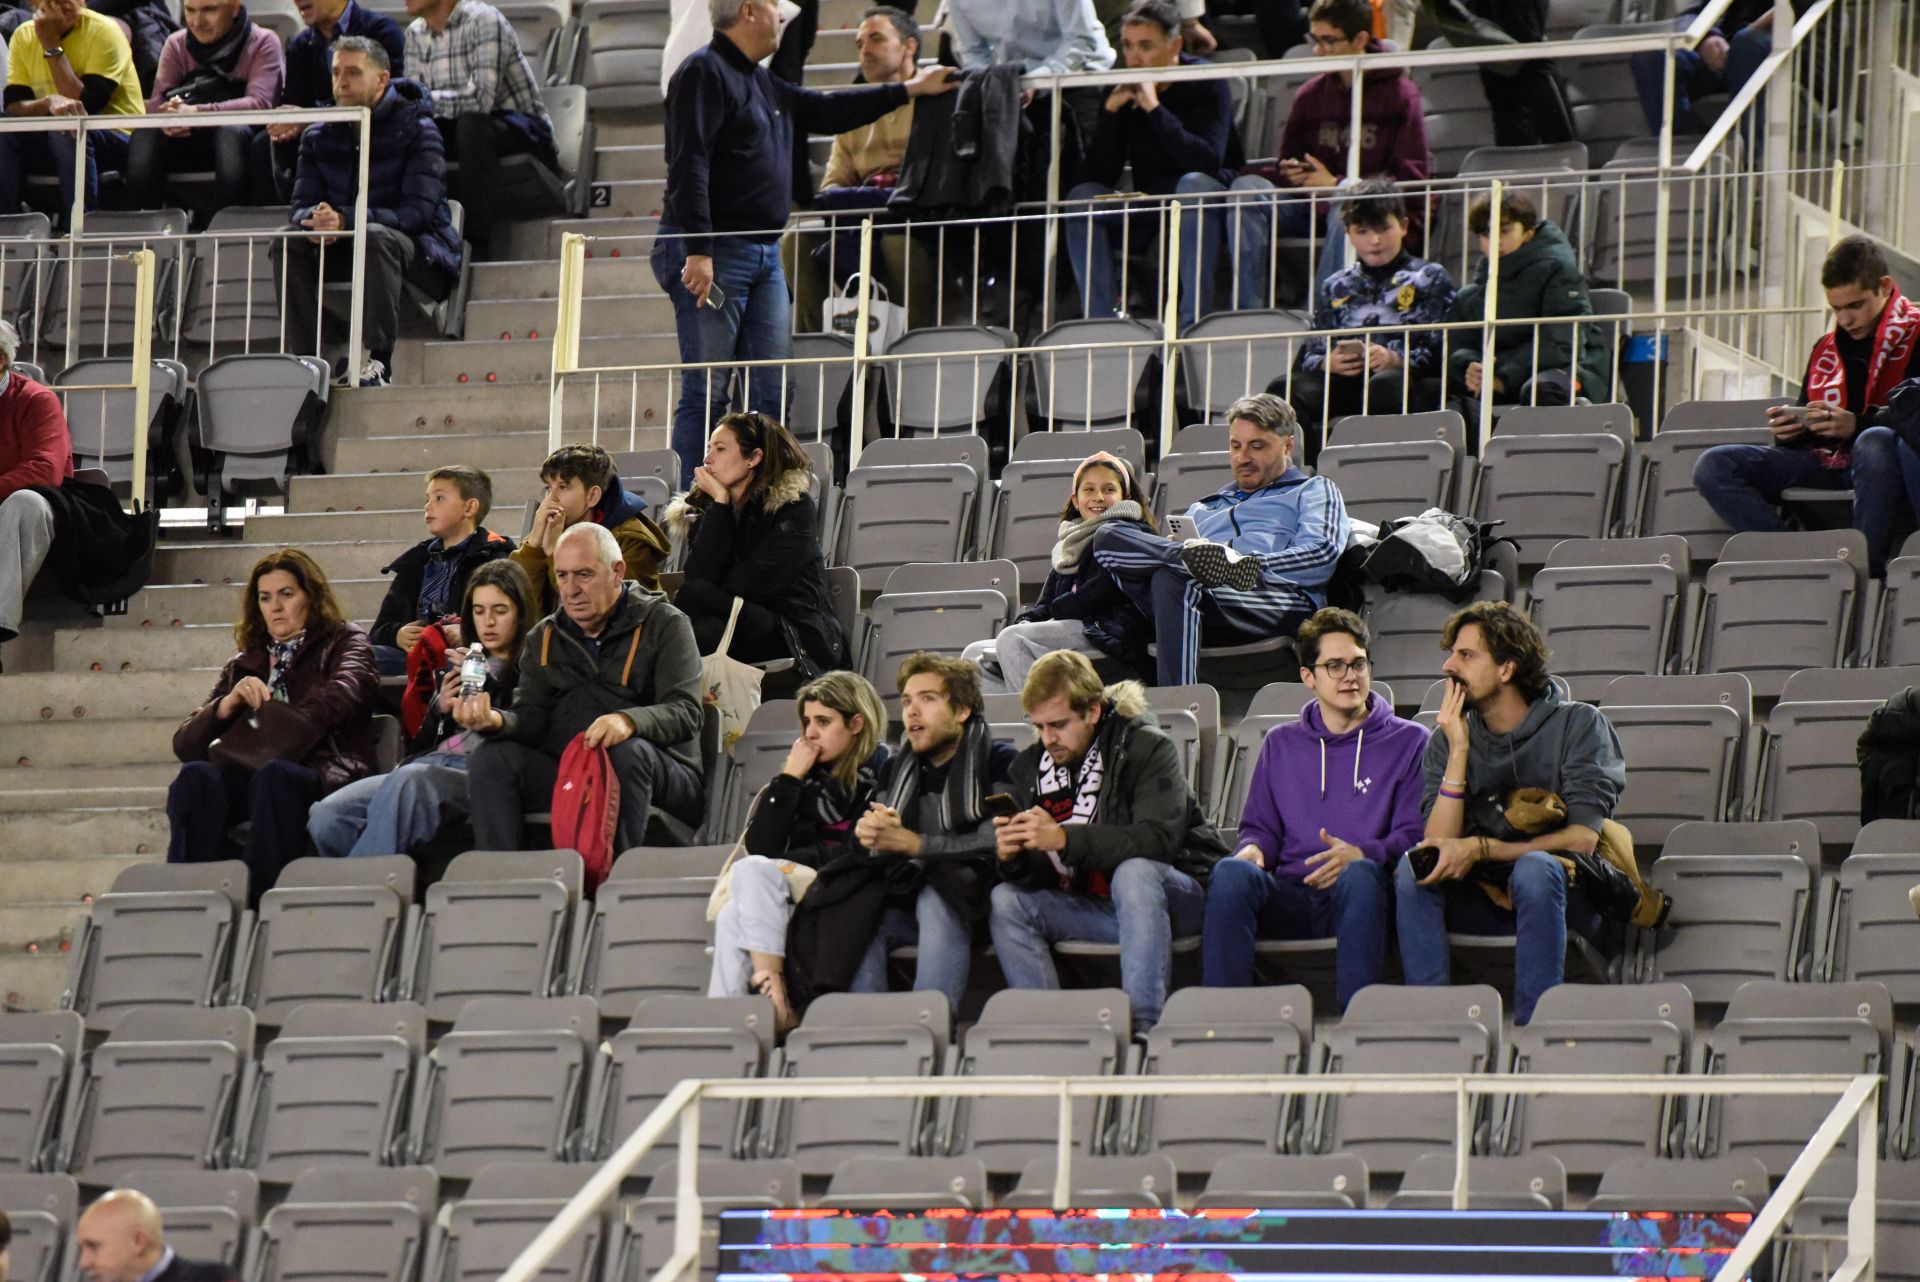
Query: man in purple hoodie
(1334, 801)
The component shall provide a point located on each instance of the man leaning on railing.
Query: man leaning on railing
(69, 61)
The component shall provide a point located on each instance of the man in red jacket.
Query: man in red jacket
(35, 449)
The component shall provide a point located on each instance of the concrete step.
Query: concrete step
(629, 198)
(32, 981)
(25, 923)
(838, 14)
(163, 605)
(625, 164)
(80, 743)
(615, 238)
(53, 885)
(230, 563)
(101, 649)
(531, 360)
(386, 491)
(138, 785)
(45, 834)
(418, 455)
(403, 527)
(34, 697)
(535, 317)
(631, 127)
(605, 275)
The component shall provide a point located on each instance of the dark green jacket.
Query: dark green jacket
(1146, 809)
(564, 687)
(1540, 278)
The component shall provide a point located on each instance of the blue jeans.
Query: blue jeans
(1693, 79)
(1151, 902)
(1256, 221)
(751, 325)
(1743, 484)
(942, 937)
(37, 153)
(1091, 247)
(1149, 570)
(390, 660)
(1246, 903)
(1543, 907)
(392, 813)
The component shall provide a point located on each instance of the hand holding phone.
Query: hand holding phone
(1002, 805)
(1423, 860)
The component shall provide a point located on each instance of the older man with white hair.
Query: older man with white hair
(35, 449)
(121, 1239)
(615, 666)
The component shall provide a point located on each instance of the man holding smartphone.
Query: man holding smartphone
(1839, 436)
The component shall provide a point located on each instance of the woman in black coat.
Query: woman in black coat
(755, 537)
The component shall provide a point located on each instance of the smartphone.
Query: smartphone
(1798, 413)
(1423, 860)
(1002, 805)
(1350, 347)
(716, 297)
(1180, 528)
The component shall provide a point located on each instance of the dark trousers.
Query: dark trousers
(392, 261)
(49, 153)
(756, 637)
(227, 150)
(477, 141)
(509, 781)
(273, 166)
(206, 799)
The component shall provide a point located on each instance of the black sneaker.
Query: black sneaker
(1214, 565)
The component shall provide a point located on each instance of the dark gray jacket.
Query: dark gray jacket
(1567, 748)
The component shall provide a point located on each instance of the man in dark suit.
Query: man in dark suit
(121, 1239)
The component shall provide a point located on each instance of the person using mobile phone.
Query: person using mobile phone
(1845, 432)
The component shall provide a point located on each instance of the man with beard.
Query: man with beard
(1504, 726)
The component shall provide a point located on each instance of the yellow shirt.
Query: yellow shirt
(95, 47)
(873, 149)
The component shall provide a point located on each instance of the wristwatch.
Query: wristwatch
(55, 52)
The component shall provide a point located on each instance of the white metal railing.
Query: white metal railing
(1855, 1109)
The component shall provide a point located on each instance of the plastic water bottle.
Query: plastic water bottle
(473, 672)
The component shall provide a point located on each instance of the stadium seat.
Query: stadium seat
(371, 1222)
(647, 933)
(43, 1210)
(648, 1222)
(1534, 1182)
(159, 1092)
(1568, 420)
(1664, 498)
(498, 1216)
(330, 930)
(623, 41)
(1458, 120)
(102, 299)
(1273, 704)
(1329, 1181)
(37, 1055)
(1231, 354)
(1600, 92)
(509, 1083)
(1624, 244)
(1896, 624)
(1076, 382)
(882, 1183)
(1807, 768)
(258, 419)
(498, 924)
(25, 267)
(753, 761)
(1184, 479)
(526, 185)
(1145, 1181)
(903, 623)
(162, 936)
(1611, 607)
(332, 1089)
(1775, 603)
(1190, 716)
(1547, 488)
(1704, 1185)
(939, 394)
(1406, 626)
(1684, 760)
(101, 423)
(1868, 930)
(232, 295)
(890, 516)
(1393, 429)
(1551, 175)
(209, 1214)
(1816, 1243)
(816, 393)
(1743, 896)
(1383, 480)
(1714, 415)
(652, 474)
(670, 1038)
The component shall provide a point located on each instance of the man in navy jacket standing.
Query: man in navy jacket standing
(730, 126)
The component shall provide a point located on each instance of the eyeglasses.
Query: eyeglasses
(1338, 668)
(1329, 42)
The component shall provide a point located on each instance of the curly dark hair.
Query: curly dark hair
(960, 678)
(324, 615)
(1510, 637)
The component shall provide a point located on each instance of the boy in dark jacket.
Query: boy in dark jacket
(1112, 847)
(410, 239)
(430, 578)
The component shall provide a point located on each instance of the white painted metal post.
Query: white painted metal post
(566, 336)
(1496, 196)
(1462, 1142)
(1170, 352)
(686, 1199)
(862, 345)
(355, 329)
(1063, 1151)
(143, 273)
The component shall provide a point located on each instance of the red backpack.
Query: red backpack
(586, 807)
(426, 664)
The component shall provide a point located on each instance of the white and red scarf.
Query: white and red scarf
(1893, 340)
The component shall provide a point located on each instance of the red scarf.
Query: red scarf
(1893, 339)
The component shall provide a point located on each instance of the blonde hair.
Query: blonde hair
(850, 695)
(1063, 672)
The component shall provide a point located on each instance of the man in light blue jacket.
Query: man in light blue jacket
(1266, 547)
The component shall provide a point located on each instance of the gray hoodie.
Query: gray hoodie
(1566, 748)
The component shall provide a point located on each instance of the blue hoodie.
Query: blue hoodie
(1296, 528)
(1363, 787)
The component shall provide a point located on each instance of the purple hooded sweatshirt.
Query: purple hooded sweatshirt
(1362, 786)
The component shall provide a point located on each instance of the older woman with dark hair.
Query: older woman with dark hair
(295, 648)
(756, 539)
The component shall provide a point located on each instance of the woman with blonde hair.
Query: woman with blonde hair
(804, 816)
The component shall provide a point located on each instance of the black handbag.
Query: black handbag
(272, 732)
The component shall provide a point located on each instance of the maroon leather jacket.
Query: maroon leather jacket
(333, 679)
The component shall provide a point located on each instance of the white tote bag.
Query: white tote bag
(730, 685)
(886, 319)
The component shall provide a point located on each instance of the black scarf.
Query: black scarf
(214, 78)
(960, 800)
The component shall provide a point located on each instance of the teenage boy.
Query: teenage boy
(430, 578)
(1334, 801)
(582, 485)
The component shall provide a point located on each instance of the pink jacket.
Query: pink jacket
(261, 65)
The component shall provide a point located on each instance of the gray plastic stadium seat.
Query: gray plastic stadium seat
(724, 1186)
(1847, 685)
(814, 390)
(159, 1092)
(329, 930)
(1381, 482)
(1393, 429)
(349, 1222)
(1183, 479)
(1624, 242)
(103, 313)
(1548, 174)
(647, 933)
(1664, 498)
(1327, 1181)
(670, 1038)
(332, 1089)
(949, 447)
(209, 1214)
(508, 1084)
(857, 1035)
(37, 1054)
(43, 1209)
(1817, 1242)
(163, 936)
(25, 268)
(901, 623)
(1146, 1182)
(1459, 117)
(881, 1183)
(753, 761)
(1075, 384)
(101, 423)
(890, 516)
(1783, 1028)
(1600, 92)
(1406, 625)
(1727, 689)
(1534, 1182)
(1190, 716)
(542, 27)
(498, 1216)
(1868, 931)
(1203, 1031)
(1081, 1033)
(231, 293)
(1075, 444)
(1697, 416)
(1684, 762)
(1549, 488)
(1568, 420)
(1896, 630)
(1807, 768)
(499, 924)
(1026, 513)
(1639, 1030)
(1611, 607)
(1775, 603)
(996, 575)
(1274, 704)
(1673, 1184)
(1242, 351)
(256, 415)
(624, 42)
(652, 474)
(1200, 438)
(939, 393)
(1743, 894)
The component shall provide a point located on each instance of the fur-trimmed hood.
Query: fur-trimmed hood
(1129, 699)
(681, 514)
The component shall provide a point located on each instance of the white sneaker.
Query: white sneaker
(374, 374)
